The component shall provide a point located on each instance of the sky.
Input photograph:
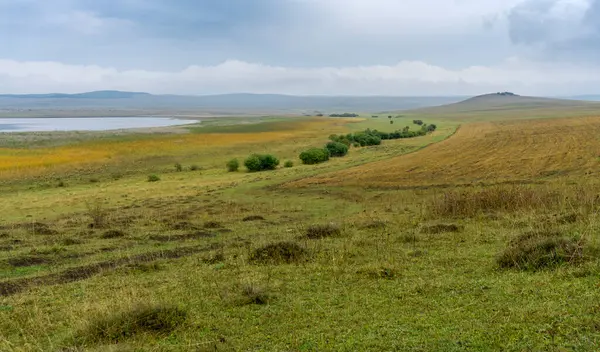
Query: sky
(304, 47)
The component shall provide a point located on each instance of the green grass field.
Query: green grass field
(284, 260)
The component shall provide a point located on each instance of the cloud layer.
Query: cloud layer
(404, 78)
(416, 47)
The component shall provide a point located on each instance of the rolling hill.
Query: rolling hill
(508, 106)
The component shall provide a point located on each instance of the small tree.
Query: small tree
(288, 164)
(314, 156)
(337, 149)
(233, 165)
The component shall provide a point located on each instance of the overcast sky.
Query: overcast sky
(358, 47)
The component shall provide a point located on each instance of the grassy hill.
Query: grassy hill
(498, 106)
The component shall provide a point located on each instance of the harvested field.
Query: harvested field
(485, 152)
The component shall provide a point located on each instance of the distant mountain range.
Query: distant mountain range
(224, 103)
(102, 94)
(131, 103)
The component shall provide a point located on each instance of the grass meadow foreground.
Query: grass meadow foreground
(481, 240)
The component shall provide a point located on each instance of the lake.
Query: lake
(86, 123)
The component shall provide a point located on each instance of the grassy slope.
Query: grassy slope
(496, 108)
(384, 284)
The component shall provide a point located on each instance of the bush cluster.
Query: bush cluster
(346, 114)
(261, 162)
(336, 149)
(314, 156)
(370, 137)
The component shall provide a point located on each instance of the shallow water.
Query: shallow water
(86, 123)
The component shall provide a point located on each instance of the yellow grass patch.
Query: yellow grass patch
(30, 162)
(486, 152)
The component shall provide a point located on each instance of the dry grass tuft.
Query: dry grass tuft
(213, 225)
(253, 218)
(508, 198)
(184, 225)
(323, 231)
(374, 225)
(215, 258)
(381, 272)
(28, 260)
(38, 228)
(117, 327)
(70, 241)
(113, 234)
(440, 228)
(568, 219)
(188, 236)
(541, 250)
(253, 294)
(279, 253)
(97, 212)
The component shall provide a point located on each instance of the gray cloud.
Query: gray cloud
(165, 34)
(299, 46)
(404, 78)
(559, 29)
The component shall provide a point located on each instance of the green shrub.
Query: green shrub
(178, 167)
(261, 162)
(269, 162)
(314, 156)
(233, 165)
(194, 168)
(153, 178)
(288, 164)
(337, 149)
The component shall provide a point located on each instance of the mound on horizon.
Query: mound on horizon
(506, 105)
(487, 152)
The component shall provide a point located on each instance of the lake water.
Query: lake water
(86, 123)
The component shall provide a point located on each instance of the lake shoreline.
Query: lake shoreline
(89, 124)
